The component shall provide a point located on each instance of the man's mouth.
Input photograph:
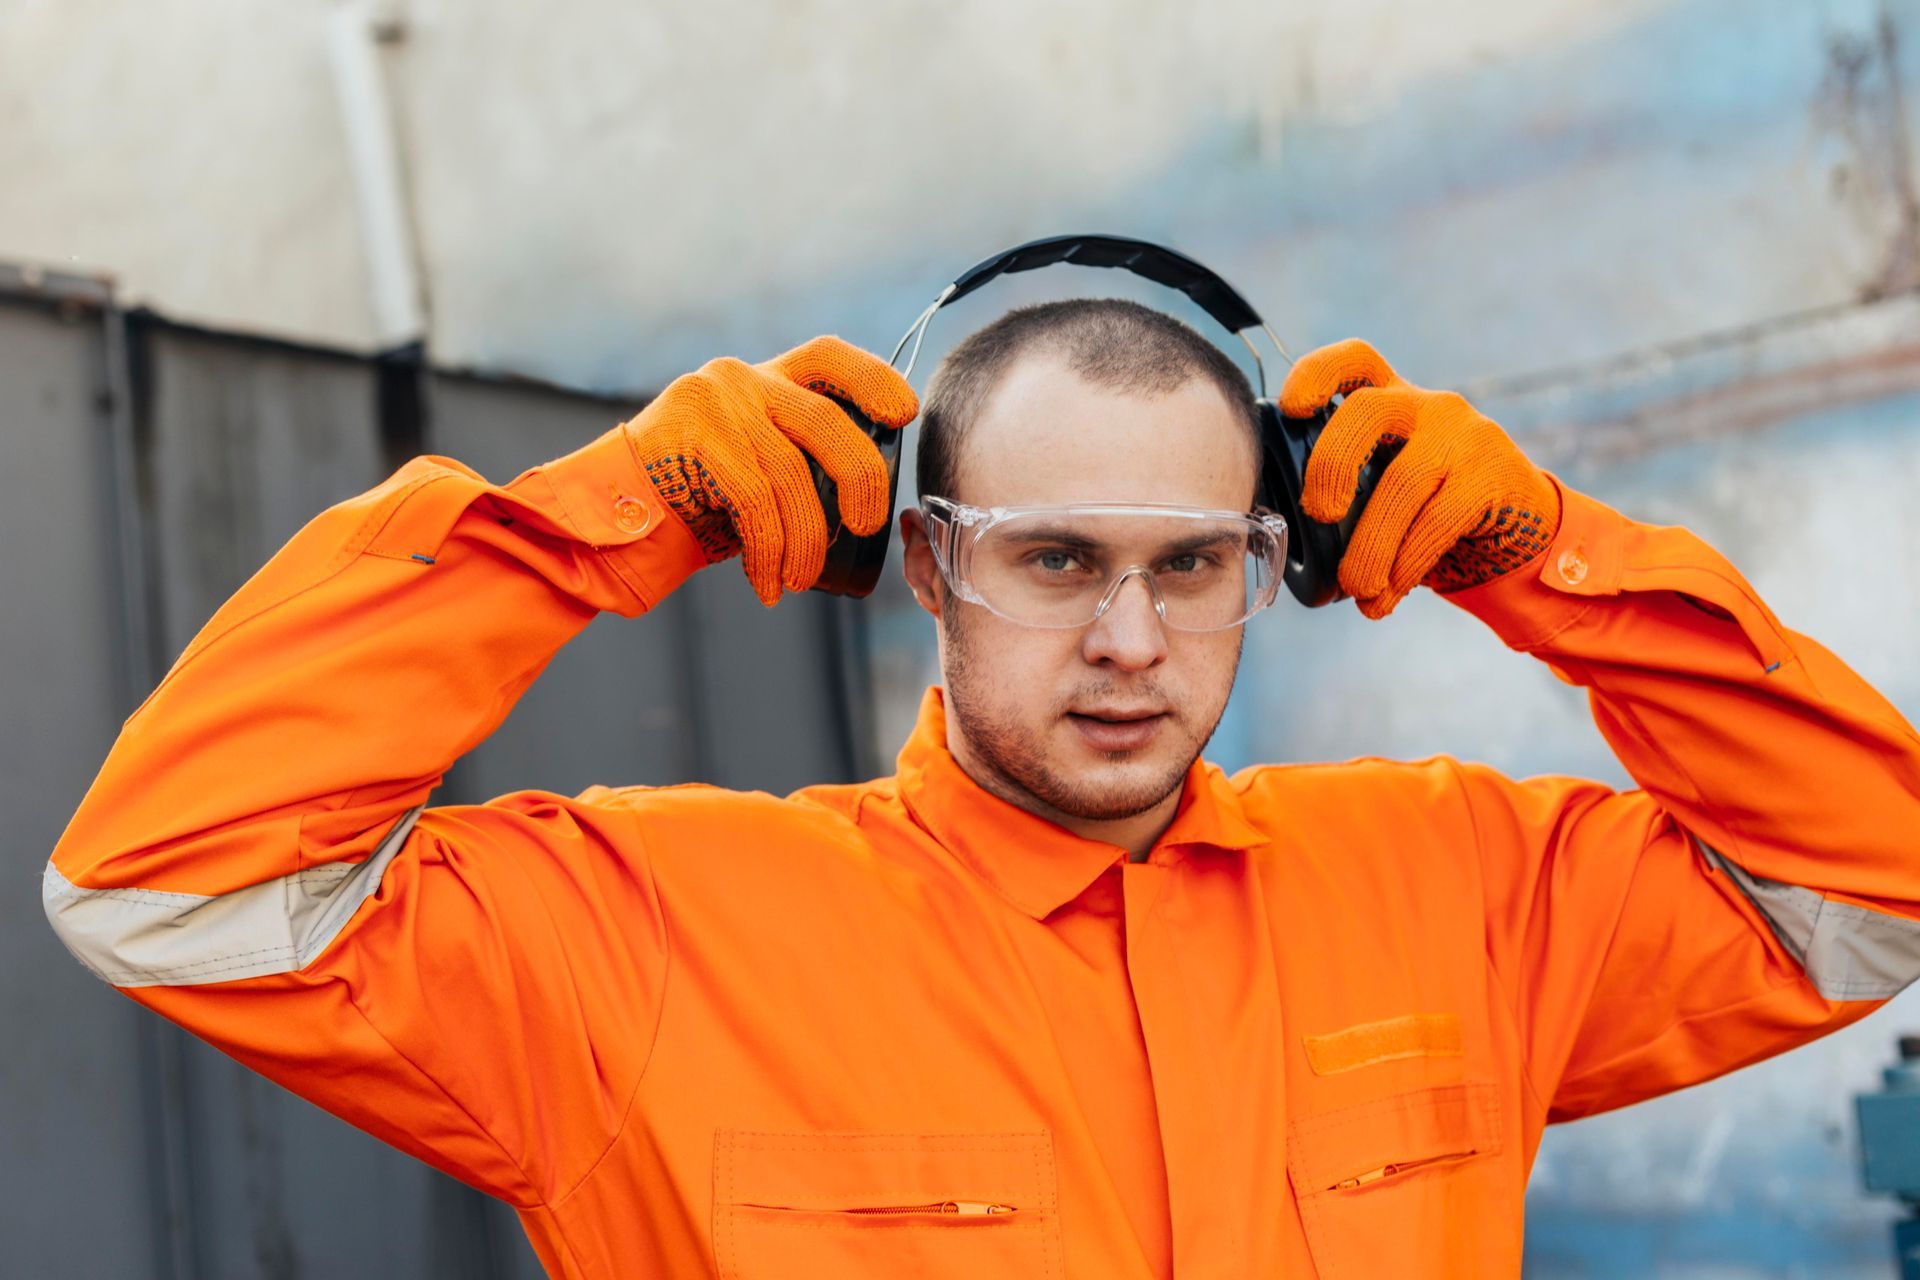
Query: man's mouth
(1117, 728)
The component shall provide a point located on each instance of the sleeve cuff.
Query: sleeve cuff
(601, 492)
(1599, 556)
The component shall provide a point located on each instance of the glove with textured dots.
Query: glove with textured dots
(722, 447)
(1461, 505)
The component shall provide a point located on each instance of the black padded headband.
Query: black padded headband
(1161, 265)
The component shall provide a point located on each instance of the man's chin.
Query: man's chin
(1105, 789)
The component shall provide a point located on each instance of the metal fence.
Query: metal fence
(146, 469)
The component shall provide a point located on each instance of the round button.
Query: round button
(630, 514)
(1573, 568)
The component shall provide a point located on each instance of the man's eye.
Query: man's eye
(1189, 564)
(1057, 561)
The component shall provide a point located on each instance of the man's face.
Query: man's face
(1099, 722)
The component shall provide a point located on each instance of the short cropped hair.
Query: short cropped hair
(1110, 342)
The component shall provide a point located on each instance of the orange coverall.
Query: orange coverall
(904, 1028)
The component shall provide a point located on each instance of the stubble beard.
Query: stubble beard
(1016, 763)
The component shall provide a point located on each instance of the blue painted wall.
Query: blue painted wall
(1677, 260)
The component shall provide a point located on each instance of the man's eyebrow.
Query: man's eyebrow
(1058, 534)
(1061, 535)
(1202, 541)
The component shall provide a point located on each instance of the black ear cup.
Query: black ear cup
(854, 563)
(1313, 549)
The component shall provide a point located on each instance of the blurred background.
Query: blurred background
(252, 256)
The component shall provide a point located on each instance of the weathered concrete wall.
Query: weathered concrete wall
(606, 193)
(193, 148)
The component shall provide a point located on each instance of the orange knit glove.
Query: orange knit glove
(1460, 505)
(723, 448)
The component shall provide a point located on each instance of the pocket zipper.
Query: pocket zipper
(965, 1208)
(1386, 1170)
(962, 1208)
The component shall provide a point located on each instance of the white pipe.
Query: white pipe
(379, 175)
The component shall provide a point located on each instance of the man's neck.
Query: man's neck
(1135, 834)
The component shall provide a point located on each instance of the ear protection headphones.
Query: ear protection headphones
(1313, 549)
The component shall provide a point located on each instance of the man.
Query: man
(1058, 998)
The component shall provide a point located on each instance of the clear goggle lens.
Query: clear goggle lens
(1065, 566)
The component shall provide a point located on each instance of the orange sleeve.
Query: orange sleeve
(1761, 888)
(255, 861)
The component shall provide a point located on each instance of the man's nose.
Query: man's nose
(1130, 634)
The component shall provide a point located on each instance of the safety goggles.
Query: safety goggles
(1063, 566)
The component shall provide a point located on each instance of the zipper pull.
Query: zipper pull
(1372, 1175)
(972, 1208)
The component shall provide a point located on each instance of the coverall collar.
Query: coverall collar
(1038, 865)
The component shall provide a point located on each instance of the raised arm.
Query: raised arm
(1762, 886)
(255, 859)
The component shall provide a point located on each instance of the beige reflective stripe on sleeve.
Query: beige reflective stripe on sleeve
(146, 938)
(1848, 952)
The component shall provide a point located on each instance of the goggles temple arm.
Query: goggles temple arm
(943, 536)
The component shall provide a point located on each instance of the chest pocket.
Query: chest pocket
(864, 1204)
(1407, 1185)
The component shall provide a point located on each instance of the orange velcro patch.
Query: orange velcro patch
(1415, 1035)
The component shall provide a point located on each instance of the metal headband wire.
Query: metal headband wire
(917, 332)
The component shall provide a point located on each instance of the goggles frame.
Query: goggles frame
(955, 529)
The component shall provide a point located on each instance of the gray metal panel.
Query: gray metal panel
(710, 686)
(74, 1188)
(768, 686)
(130, 1149)
(245, 442)
(611, 708)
